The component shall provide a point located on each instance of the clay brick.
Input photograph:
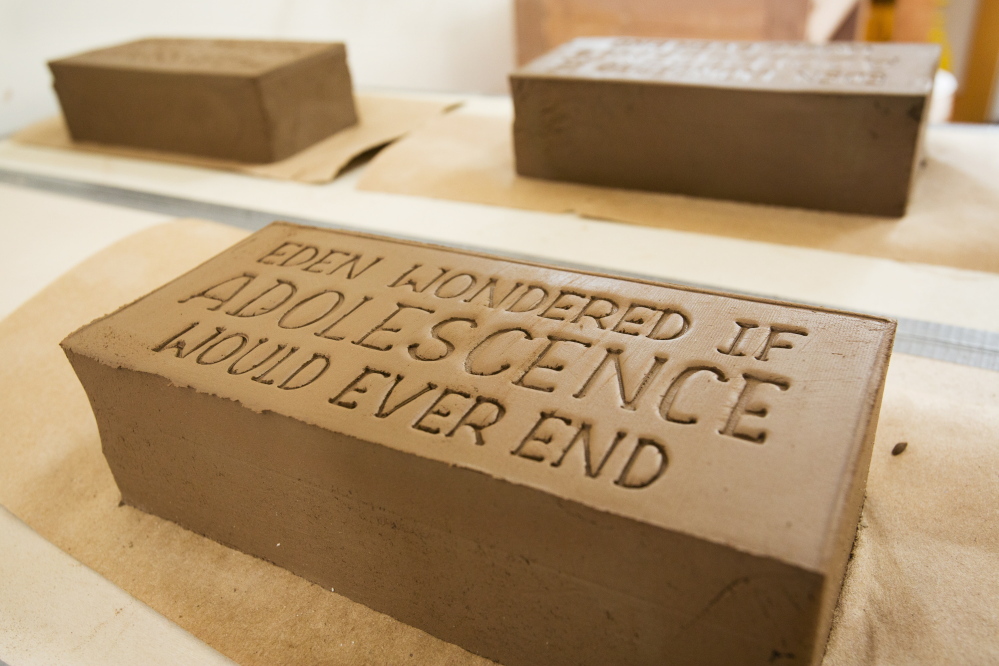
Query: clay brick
(832, 127)
(250, 101)
(541, 465)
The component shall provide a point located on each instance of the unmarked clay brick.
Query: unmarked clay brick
(833, 127)
(250, 101)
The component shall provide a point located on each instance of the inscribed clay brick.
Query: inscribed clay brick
(250, 101)
(540, 465)
(830, 127)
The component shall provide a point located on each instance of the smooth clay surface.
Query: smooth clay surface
(830, 127)
(540, 465)
(250, 101)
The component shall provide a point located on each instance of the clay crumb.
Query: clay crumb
(898, 448)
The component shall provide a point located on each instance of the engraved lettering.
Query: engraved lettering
(267, 301)
(282, 251)
(634, 319)
(592, 311)
(223, 355)
(413, 282)
(595, 387)
(321, 363)
(680, 322)
(528, 447)
(539, 363)
(355, 386)
(640, 471)
(489, 288)
(455, 286)
(519, 304)
(287, 320)
(381, 327)
(613, 358)
(324, 333)
(232, 368)
(492, 337)
(562, 305)
(218, 331)
(774, 340)
(435, 333)
(666, 405)
(311, 249)
(177, 342)
(583, 437)
(224, 291)
(262, 377)
(354, 269)
(323, 262)
(466, 421)
(746, 405)
(382, 412)
(437, 408)
(399, 279)
(733, 346)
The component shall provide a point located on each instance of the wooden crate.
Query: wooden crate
(544, 24)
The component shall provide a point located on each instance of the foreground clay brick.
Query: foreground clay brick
(833, 127)
(251, 101)
(541, 465)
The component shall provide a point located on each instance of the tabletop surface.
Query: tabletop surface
(60, 207)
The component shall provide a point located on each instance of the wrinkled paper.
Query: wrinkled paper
(953, 217)
(921, 587)
(381, 120)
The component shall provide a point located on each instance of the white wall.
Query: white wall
(448, 45)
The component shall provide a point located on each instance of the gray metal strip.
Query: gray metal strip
(148, 201)
(966, 346)
(944, 342)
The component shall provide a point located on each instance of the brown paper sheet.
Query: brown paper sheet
(921, 587)
(953, 216)
(381, 120)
